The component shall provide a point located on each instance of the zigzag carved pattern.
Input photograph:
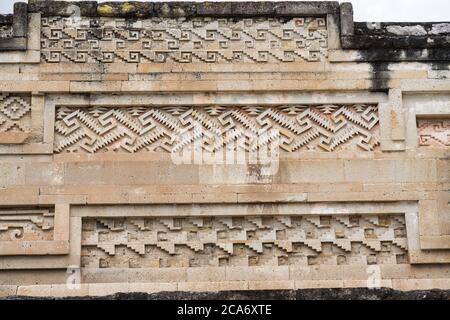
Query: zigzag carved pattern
(243, 241)
(213, 129)
(204, 40)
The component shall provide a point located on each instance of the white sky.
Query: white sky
(365, 10)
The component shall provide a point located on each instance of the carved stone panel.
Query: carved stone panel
(33, 231)
(171, 129)
(434, 132)
(15, 117)
(166, 242)
(26, 225)
(197, 40)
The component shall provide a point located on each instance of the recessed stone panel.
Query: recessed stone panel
(434, 132)
(243, 241)
(323, 128)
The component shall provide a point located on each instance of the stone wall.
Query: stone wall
(149, 147)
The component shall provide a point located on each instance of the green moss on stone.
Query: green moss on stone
(105, 9)
(127, 7)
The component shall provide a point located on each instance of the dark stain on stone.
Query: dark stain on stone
(306, 294)
(380, 76)
(254, 171)
(440, 65)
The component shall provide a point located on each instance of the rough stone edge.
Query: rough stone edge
(136, 9)
(303, 294)
(359, 35)
(19, 20)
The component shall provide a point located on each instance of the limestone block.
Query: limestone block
(347, 25)
(397, 124)
(152, 287)
(257, 273)
(214, 197)
(53, 291)
(365, 284)
(435, 242)
(19, 195)
(153, 275)
(206, 274)
(105, 276)
(44, 173)
(390, 170)
(420, 284)
(12, 174)
(429, 223)
(37, 118)
(213, 286)
(271, 285)
(324, 272)
(37, 277)
(271, 197)
(318, 284)
(95, 86)
(6, 290)
(312, 171)
(35, 86)
(104, 289)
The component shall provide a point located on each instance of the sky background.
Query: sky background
(366, 10)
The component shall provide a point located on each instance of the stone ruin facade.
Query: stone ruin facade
(148, 147)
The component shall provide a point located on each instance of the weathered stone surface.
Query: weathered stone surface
(63, 8)
(132, 9)
(6, 19)
(304, 294)
(244, 148)
(175, 10)
(20, 19)
(213, 9)
(440, 28)
(306, 8)
(416, 30)
(347, 24)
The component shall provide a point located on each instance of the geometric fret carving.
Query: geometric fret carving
(165, 242)
(434, 132)
(216, 128)
(15, 113)
(196, 40)
(34, 231)
(26, 225)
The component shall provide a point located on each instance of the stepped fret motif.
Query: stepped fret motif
(26, 225)
(243, 241)
(434, 132)
(198, 40)
(213, 129)
(15, 113)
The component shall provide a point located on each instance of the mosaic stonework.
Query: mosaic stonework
(434, 132)
(15, 113)
(171, 129)
(243, 241)
(26, 225)
(198, 40)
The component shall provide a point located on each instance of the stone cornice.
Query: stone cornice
(135, 9)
